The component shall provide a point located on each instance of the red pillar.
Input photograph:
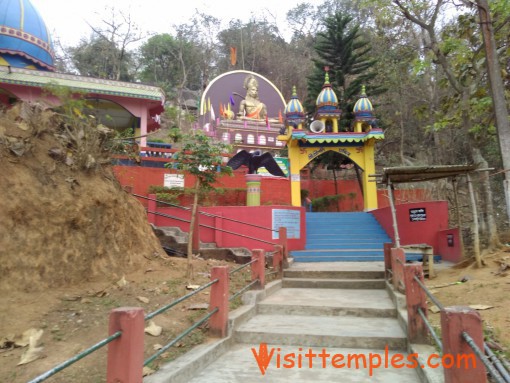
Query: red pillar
(282, 240)
(218, 322)
(258, 269)
(415, 299)
(278, 260)
(125, 354)
(454, 321)
(152, 206)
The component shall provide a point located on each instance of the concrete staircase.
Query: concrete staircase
(333, 237)
(329, 308)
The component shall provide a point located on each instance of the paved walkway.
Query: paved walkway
(325, 322)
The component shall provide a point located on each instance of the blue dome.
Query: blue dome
(363, 107)
(24, 39)
(327, 97)
(294, 109)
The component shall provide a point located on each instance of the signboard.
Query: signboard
(291, 219)
(418, 214)
(283, 163)
(173, 181)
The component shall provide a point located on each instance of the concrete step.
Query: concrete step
(331, 245)
(334, 283)
(331, 331)
(328, 302)
(335, 256)
(239, 365)
(353, 273)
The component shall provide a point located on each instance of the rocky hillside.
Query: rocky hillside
(64, 217)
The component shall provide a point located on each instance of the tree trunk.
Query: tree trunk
(189, 273)
(476, 237)
(498, 93)
(493, 236)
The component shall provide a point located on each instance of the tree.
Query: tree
(201, 157)
(342, 48)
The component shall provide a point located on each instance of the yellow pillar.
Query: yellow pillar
(369, 187)
(295, 178)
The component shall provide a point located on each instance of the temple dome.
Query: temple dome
(363, 107)
(327, 97)
(24, 38)
(294, 109)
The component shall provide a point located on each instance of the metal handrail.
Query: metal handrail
(76, 358)
(245, 288)
(204, 213)
(497, 363)
(492, 371)
(431, 329)
(213, 228)
(429, 294)
(179, 300)
(243, 266)
(180, 336)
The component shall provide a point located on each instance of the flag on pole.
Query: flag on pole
(280, 117)
(233, 56)
(267, 122)
(208, 104)
(213, 116)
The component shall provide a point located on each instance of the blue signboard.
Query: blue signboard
(291, 219)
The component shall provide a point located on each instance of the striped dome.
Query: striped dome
(294, 109)
(363, 107)
(327, 98)
(24, 39)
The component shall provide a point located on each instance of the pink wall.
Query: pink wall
(259, 216)
(416, 232)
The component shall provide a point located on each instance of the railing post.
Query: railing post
(282, 239)
(415, 299)
(454, 321)
(219, 298)
(125, 354)
(258, 269)
(278, 260)
(387, 259)
(196, 236)
(398, 259)
(152, 205)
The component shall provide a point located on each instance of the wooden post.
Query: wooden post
(393, 214)
(196, 232)
(258, 268)
(125, 354)
(152, 206)
(475, 229)
(454, 321)
(218, 322)
(458, 216)
(398, 259)
(387, 260)
(415, 299)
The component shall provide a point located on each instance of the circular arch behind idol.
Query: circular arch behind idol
(230, 85)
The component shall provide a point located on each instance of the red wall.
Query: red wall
(225, 218)
(274, 191)
(449, 253)
(412, 233)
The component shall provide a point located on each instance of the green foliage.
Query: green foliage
(326, 203)
(202, 157)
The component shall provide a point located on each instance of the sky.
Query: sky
(67, 19)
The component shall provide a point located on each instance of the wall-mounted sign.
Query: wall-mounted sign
(173, 181)
(291, 219)
(418, 214)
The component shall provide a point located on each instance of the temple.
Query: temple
(27, 68)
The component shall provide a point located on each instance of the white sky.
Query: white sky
(67, 19)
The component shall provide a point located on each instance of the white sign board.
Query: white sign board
(173, 181)
(291, 219)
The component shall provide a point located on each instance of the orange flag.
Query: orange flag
(233, 55)
(221, 110)
(280, 117)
